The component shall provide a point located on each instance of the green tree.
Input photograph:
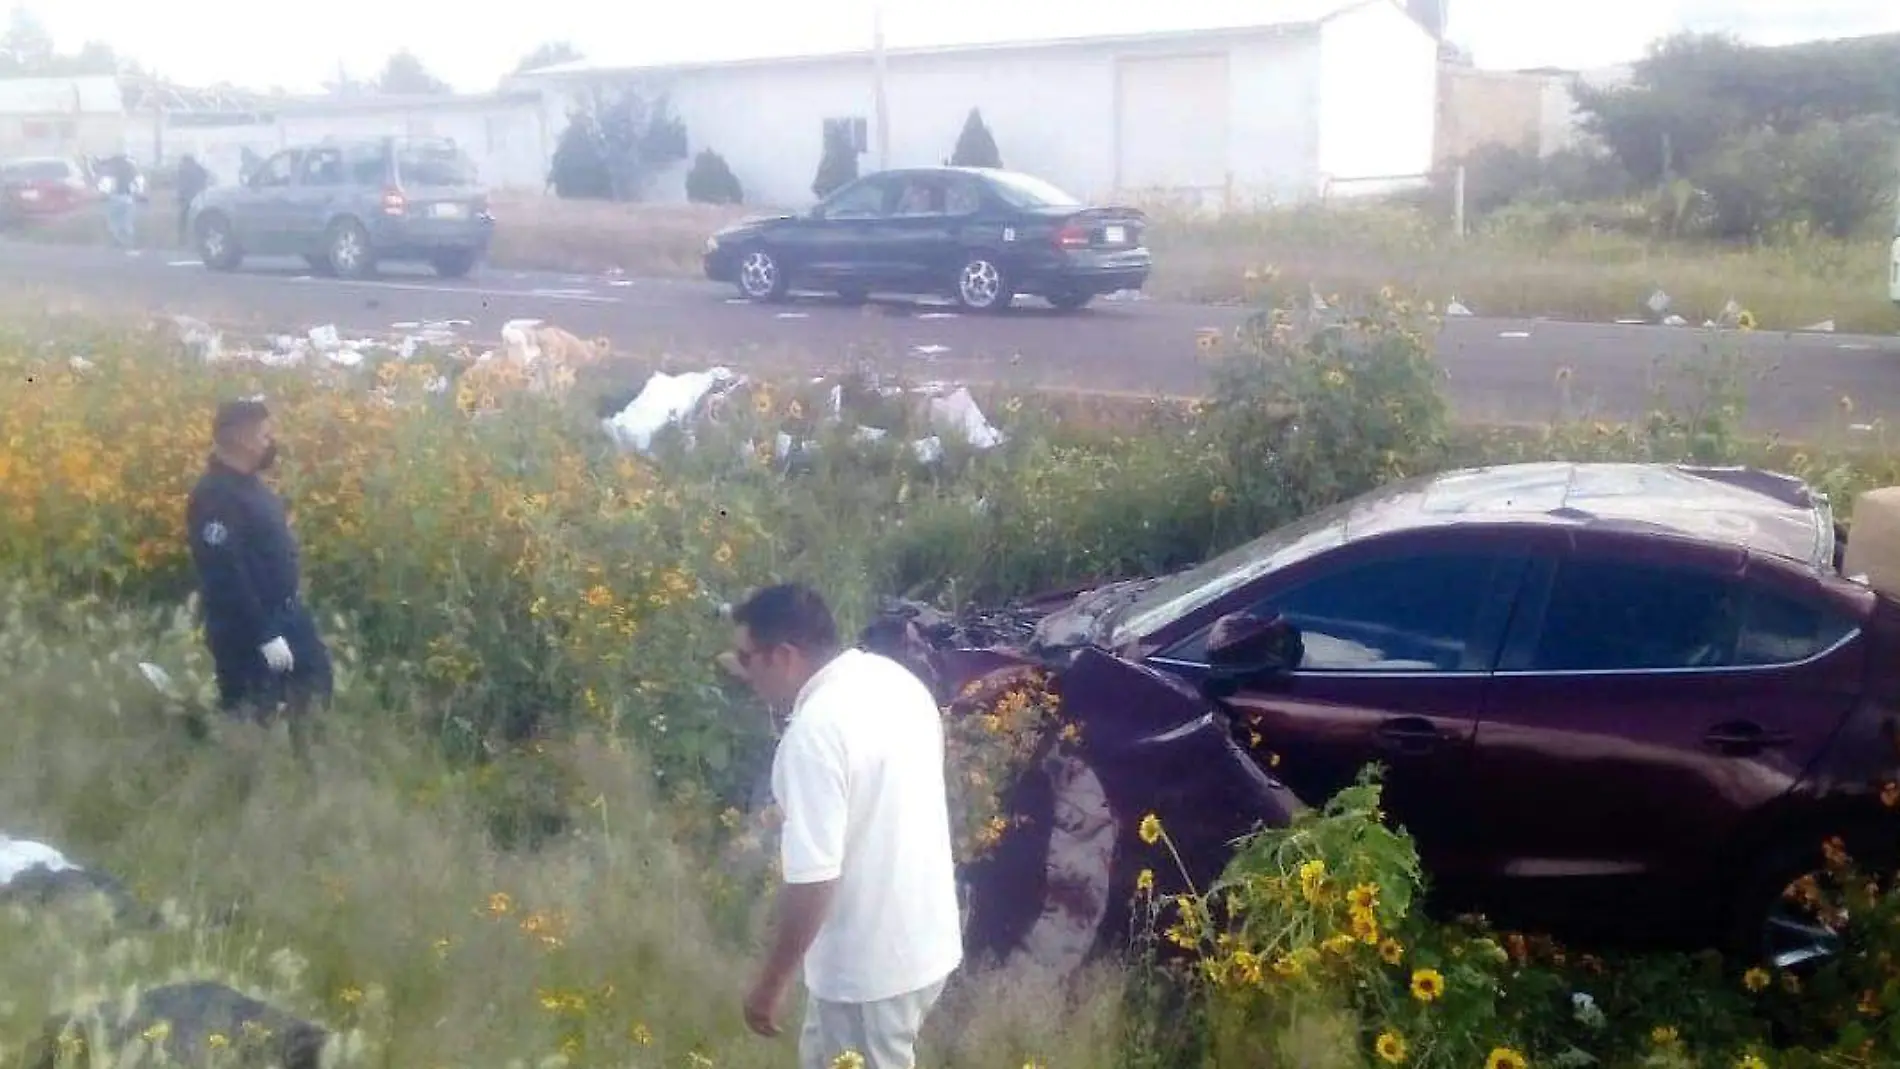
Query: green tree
(548, 55)
(976, 147)
(839, 164)
(1694, 95)
(711, 180)
(614, 143)
(404, 74)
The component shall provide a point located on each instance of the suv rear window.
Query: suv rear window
(434, 164)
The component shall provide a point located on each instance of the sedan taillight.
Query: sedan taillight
(1073, 236)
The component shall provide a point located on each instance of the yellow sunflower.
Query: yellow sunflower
(1428, 985)
(1390, 1046)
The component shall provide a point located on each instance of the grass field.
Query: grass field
(1341, 249)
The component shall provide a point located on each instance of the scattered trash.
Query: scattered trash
(937, 315)
(929, 351)
(160, 679)
(665, 399)
(1658, 303)
(1674, 321)
(1825, 326)
(18, 856)
(1456, 308)
(1515, 334)
(958, 412)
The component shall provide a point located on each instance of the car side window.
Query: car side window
(1782, 630)
(919, 196)
(278, 171)
(1423, 613)
(323, 167)
(368, 167)
(961, 197)
(866, 200)
(1626, 616)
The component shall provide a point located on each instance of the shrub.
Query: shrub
(711, 181)
(976, 147)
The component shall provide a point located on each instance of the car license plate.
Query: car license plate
(445, 211)
(1115, 235)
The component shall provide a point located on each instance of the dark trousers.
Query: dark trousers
(249, 690)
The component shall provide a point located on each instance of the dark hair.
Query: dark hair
(789, 614)
(236, 415)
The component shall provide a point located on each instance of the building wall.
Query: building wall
(1480, 107)
(61, 116)
(1229, 117)
(1378, 112)
(505, 139)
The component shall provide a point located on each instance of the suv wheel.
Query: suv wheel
(217, 245)
(348, 249)
(982, 286)
(455, 263)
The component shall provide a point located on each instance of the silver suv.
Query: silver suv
(346, 206)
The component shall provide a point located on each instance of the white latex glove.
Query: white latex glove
(277, 655)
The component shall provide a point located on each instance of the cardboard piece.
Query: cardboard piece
(1873, 544)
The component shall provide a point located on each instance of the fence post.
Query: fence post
(1458, 202)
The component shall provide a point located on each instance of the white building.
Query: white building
(505, 134)
(1300, 97)
(58, 116)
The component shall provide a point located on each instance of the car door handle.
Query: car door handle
(1741, 738)
(1408, 734)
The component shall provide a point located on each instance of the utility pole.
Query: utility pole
(882, 105)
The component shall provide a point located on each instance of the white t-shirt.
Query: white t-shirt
(859, 775)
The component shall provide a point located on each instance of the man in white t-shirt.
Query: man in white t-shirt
(869, 903)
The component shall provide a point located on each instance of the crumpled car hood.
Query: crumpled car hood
(1059, 888)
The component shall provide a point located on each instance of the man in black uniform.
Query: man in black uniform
(264, 642)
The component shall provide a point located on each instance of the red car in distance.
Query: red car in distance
(40, 188)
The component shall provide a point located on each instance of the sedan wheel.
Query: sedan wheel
(982, 286)
(760, 277)
(1794, 938)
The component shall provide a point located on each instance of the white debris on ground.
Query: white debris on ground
(326, 341)
(1457, 309)
(687, 398)
(20, 856)
(666, 399)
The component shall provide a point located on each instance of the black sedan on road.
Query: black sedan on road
(979, 235)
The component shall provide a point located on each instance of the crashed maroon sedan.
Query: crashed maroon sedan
(1610, 701)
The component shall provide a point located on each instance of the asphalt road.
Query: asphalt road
(1498, 369)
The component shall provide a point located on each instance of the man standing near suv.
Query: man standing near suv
(869, 902)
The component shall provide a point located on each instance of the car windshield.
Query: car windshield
(1023, 191)
(1187, 591)
(36, 171)
(434, 163)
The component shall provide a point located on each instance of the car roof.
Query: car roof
(1740, 507)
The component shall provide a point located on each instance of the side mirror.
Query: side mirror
(1243, 646)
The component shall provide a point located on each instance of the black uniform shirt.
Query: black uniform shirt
(246, 557)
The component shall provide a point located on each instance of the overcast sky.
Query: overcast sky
(299, 44)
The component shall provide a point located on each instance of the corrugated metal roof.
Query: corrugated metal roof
(929, 29)
(93, 94)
